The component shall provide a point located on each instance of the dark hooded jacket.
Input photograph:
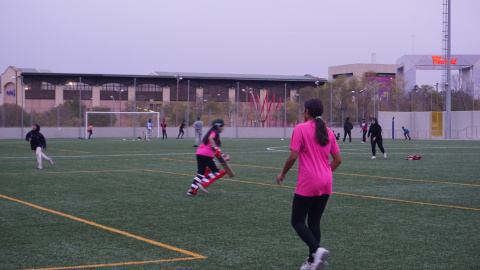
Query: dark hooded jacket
(375, 131)
(36, 138)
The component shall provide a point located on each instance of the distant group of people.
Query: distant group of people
(163, 125)
(374, 133)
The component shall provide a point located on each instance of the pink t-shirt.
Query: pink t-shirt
(206, 149)
(314, 172)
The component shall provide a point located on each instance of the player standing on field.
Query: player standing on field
(207, 150)
(312, 143)
(198, 126)
(375, 131)
(364, 130)
(37, 143)
(164, 129)
(149, 129)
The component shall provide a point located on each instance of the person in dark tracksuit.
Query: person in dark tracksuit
(37, 144)
(375, 132)
(347, 129)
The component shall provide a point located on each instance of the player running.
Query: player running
(206, 153)
(37, 144)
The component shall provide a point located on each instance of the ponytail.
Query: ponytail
(315, 108)
(321, 132)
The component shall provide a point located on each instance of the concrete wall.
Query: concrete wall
(465, 126)
(115, 132)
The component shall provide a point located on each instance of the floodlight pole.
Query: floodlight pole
(188, 105)
(176, 102)
(448, 100)
(80, 108)
(285, 114)
(238, 101)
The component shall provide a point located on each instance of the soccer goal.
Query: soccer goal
(140, 117)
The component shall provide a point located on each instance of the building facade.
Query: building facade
(41, 90)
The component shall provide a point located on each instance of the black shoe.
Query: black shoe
(195, 145)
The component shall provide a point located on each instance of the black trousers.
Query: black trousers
(311, 209)
(380, 145)
(349, 135)
(364, 138)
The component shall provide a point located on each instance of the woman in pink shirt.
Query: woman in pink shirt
(208, 149)
(312, 143)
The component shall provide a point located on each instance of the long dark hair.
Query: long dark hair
(315, 109)
(217, 137)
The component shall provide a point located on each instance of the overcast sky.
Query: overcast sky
(270, 37)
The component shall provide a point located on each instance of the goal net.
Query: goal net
(124, 124)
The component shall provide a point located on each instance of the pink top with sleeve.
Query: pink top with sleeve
(206, 149)
(314, 172)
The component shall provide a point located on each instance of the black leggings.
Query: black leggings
(380, 145)
(203, 162)
(310, 208)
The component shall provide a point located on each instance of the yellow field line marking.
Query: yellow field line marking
(407, 179)
(275, 185)
(112, 264)
(398, 200)
(64, 150)
(67, 172)
(339, 193)
(351, 174)
(186, 252)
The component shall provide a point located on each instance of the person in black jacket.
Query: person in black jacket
(375, 131)
(38, 143)
(347, 128)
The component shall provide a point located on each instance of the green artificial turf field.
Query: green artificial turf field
(122, 204)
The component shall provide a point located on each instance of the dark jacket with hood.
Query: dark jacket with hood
(36, 138)
(348, 126)
(375, 131)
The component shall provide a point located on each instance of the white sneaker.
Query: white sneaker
(373, 157)
(385, 155)
(362, 142)
(320, 261)
(39, 167)
(202, 188)
(50, 160)
(305, 265)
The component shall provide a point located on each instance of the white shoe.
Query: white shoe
(201, 187)
(50, 160)
(320, 259)
(373, 157)
(385, 155)
(39, 167)
(306, 265)
(362, 142)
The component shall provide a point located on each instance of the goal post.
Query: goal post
(118, 113)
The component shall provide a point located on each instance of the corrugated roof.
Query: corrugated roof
(34, 70)
(257, 77)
